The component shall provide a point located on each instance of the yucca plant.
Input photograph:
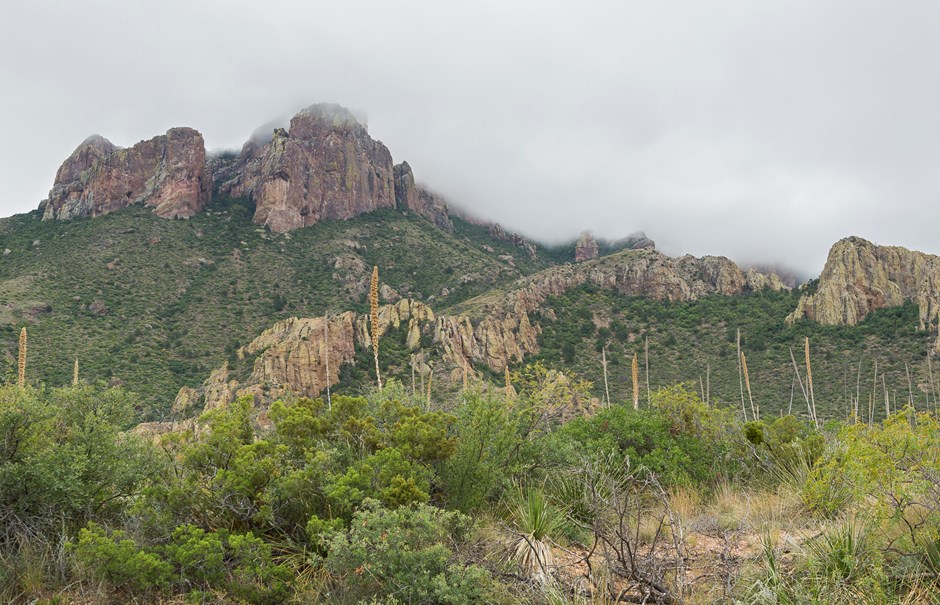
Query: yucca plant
(535, 522)
(842, 554)
(773, 587)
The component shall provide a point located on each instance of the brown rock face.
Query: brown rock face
(325, 167)
(168, 172)
(860, 277)
(494, 330)
(586, 248)
(418, 199)
(497, 232)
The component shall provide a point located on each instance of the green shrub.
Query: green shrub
(197, 555)
(680, 439)
(111, 557)
(405, 554)
(487, 433)
(255, 577)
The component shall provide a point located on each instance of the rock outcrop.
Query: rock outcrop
(419, 200)
(638, 241)
(586, 247)
(168, 172)
(497, 232)
(861, 277)
(492, 331)
(292, 355)
(326, 166)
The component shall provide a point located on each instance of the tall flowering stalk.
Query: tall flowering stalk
(809, 382)
(21, 376)
(755, 411)
(636, 382)
(75, 373)
(374, 317)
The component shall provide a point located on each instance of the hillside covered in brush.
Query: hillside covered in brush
(155, 304)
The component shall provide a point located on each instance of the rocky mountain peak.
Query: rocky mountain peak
(325, 166)
(861, 277)
(168, 172)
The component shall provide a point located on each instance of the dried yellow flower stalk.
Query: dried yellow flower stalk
(374, 317)
(636, 382)
(21, 376)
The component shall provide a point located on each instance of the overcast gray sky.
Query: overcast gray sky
(763, 130)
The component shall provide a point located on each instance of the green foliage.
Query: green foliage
(694, 341)
(255, 577)
(197, 555)
(313, 469)
(63, 457)
(893, 467)
(490, 434)
(680, 439)
(113, 558)
(405, 554)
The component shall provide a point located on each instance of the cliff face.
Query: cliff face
(168, 172)
(586, 248)
(418, 199)
(326, 166)
(490, 331)
(860, 277)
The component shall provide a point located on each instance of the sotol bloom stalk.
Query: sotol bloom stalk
(636, 382)
(755, 412)
(21, 376)
(374, 317)
(809, 382)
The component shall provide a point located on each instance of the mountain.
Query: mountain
(268, 276)
(861, 277)
(168, 172)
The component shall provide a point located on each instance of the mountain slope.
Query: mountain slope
(157, 303)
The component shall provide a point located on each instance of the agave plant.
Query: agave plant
(843, 553)
(535, 522)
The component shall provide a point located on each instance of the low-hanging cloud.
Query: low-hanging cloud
(757, 130)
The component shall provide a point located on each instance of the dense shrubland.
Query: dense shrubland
(499, 496)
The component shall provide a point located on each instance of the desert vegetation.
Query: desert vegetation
(530, 492)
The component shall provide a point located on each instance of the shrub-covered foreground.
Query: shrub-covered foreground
(491, 498)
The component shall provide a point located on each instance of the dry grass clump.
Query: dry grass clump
(686, 502)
